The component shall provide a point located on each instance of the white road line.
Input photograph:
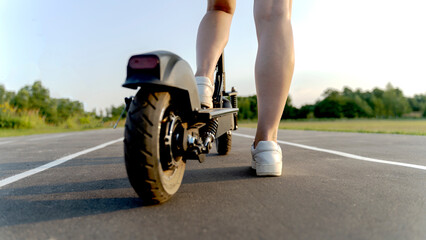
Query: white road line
(343, 154)
(28, 173)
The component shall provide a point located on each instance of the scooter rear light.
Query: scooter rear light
(144, 62)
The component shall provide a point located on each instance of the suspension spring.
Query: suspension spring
(233, 97)
(210, 134)
(212, 126)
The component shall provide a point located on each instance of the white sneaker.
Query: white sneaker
(205, 91)
(267, 158)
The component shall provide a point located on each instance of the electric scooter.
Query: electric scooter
(166, 125)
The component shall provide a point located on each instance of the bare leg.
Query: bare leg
(213, 34)
(274, 64)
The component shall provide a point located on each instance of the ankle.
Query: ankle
(265, 135)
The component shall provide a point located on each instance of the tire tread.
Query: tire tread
(140, 135)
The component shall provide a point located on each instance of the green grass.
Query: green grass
(409, 127)
(16, 122)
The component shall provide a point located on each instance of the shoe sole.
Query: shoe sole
(268, 170)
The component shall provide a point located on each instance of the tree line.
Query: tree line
(378, 103)
(32, 105)
(16, 108)
(37, 98)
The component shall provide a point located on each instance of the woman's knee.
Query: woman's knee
(227, 6)
(272, 10)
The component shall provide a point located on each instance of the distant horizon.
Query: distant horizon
(133, 92)
(293, 104)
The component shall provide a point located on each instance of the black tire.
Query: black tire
(154, 171)
(224, 143)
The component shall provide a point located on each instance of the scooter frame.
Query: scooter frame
(174, 75)
(167, 126)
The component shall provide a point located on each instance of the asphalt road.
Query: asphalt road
(321, 195)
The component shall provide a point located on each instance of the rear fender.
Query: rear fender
(161, 71)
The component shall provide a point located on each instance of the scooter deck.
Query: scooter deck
(210, 113)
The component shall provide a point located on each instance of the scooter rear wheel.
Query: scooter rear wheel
(153, 165)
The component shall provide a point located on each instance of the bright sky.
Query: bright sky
(79, 49)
